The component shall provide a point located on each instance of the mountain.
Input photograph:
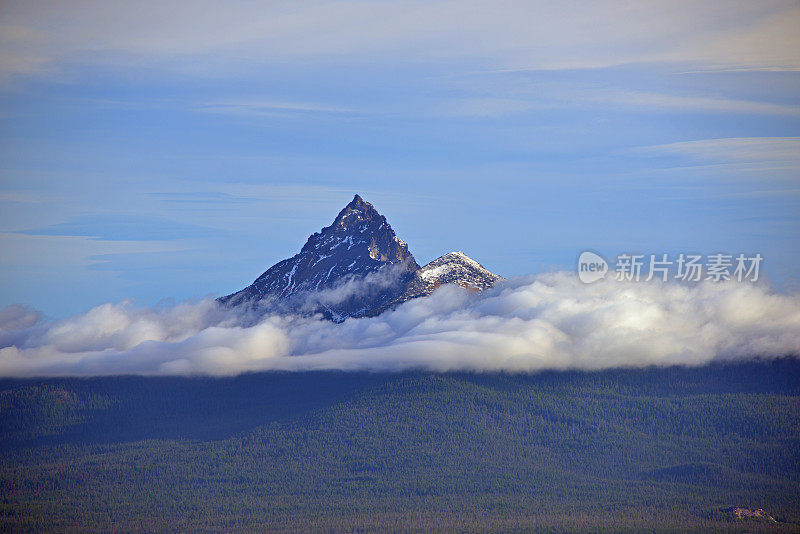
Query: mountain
(345, 269)
(355, 267)
(452, 268)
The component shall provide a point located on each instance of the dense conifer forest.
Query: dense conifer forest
(655, 449)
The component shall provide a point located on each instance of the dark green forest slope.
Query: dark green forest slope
(654, 449)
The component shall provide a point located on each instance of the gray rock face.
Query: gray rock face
(355, 267)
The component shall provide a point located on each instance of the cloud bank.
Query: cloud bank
(38, 36)
(548, 321)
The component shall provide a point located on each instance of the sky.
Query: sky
(176, 150)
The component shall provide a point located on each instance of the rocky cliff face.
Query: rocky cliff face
(357, 266)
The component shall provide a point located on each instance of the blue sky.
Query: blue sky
(173, 150)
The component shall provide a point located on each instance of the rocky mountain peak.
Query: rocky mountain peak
(355, 214)
(361, 228)
(359, 245)
(356, 266)
(452, 268)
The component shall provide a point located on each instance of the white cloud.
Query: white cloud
(505, 35)
(261, 107)
(695, 103)
(25, 198)
(547, 321)
(494, 107)
(772, 150)
(29, 250)
(565, 98)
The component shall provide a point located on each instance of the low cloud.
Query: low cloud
(548, 321)
(355, 290)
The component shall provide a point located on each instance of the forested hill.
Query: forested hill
(671, 448)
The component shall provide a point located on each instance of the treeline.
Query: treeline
(653, 449)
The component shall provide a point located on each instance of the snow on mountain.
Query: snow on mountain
(457, 268)
(343, 270)
(355, 267)
(452, 268)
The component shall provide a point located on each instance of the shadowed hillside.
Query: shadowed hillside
(672, 448)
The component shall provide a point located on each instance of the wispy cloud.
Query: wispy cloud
(508, 34)
(121, 227)
(771, 150)
(676, 102)
(29, 251)
(259, 108)
(765, 193)
(204, 198)
(570, 98)
(493, 107)
(26, 198)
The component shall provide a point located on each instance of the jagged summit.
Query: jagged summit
(357, 210)
(359, 246)
(359, 224)
(357, 266)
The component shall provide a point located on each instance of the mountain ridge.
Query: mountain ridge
(357, 266)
